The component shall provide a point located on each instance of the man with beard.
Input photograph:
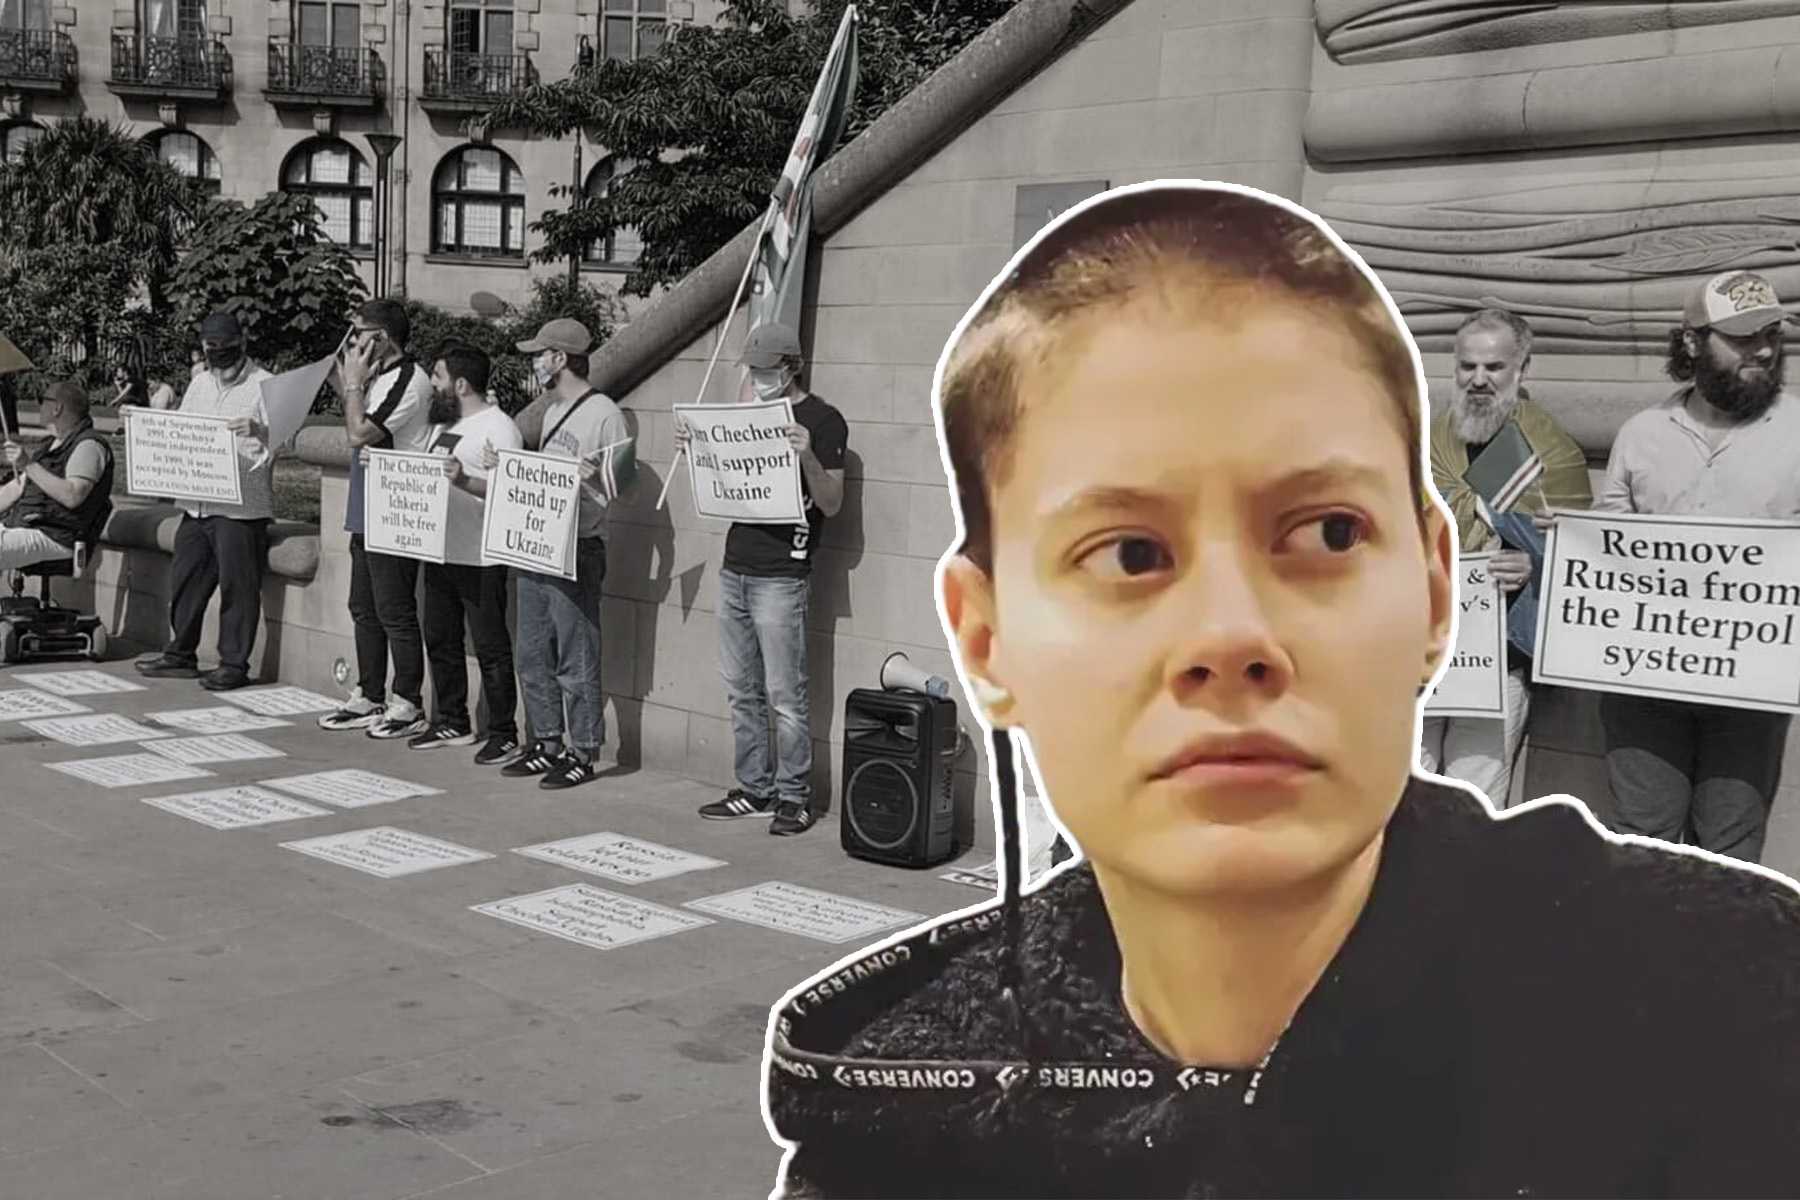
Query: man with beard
(1726, 444)
(1493, 355)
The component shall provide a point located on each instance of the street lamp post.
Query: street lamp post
(384, 145)
(584, 61)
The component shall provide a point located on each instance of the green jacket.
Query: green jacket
(1564, 483)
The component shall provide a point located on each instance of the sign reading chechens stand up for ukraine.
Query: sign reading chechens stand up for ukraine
(1699, 609)
(181, 456)
(1474, 682)
(531, 516)
(406, 504)
(743, 467)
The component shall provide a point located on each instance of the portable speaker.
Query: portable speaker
(899, 758)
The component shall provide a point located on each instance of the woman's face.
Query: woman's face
(1210, 606)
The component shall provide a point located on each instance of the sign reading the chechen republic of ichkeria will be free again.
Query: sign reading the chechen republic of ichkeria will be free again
(1700, 609)
(532, 513)
(744, 468)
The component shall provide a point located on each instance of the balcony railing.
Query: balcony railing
(37, 59)
(177, 66)
(327, 74)
(454, 78)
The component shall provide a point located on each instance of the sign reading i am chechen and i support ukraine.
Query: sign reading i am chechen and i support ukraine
(1474, 682)
(532, 513)
(1699, 609)
(743, 467)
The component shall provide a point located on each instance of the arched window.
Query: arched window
(15, 136)
(332, 172)
(624, 246)
(187, 154)
(478, 204)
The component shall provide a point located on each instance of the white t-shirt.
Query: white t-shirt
(466, 439)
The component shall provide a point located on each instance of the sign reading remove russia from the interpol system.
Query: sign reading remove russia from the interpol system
(531, 514)
(406, 504)
(744, 468)
(1681, 608)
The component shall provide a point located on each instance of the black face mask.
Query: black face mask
(224, 358)
(444, 409)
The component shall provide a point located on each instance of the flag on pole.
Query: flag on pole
(289, 396)
(780, 270)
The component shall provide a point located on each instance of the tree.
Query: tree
(709, 120)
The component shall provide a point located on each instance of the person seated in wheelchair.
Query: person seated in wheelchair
(61, 494)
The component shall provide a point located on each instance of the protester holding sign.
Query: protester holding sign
(1725, 444)
(387, 406)
(63, 493)
(462, 590)
(1493, 356)
(223, 547)
(764, 584)
(558, 618)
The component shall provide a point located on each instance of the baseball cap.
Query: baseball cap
(565, 334)
(1735, 303)
(768, 344)
(223, 326)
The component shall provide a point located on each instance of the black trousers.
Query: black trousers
(455, 593)
(227, 556)
(384, 610)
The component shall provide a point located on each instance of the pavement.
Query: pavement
(195, 1012)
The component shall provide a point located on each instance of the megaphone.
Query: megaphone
(899, 675)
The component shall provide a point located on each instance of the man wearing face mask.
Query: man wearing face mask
(764, 584)
(223, 547)
(1725, 444)
(559, 619)
(387, 406)
(61, 494)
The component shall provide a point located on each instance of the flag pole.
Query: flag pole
(762, 231)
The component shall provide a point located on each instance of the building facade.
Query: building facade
(258, 95)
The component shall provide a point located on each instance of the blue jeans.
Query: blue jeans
(559, 650)
(762, 655)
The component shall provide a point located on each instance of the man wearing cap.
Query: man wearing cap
(558, 623)
(764, 584)
(223, 547)
(1725, 444)
(62, 494)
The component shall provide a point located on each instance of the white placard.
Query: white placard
(129, 770)
(19, 704)
(1680, 608)
(591, 916)
(387, 852)
(79, 683)
(181, 456)
(805, 911)
(223, 719)
(616, 856)
(406, 504)
(1474, 684)
(532, 513)
(986, 878)
(742, 465)
(350, 788)
(280, 701)
(101, 729)
(236, 807)
(223, 747)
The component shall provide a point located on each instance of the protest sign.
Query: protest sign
(181, 456)
(1680, 608)
(406, 504)
(742, 465)
(1474, 684)
(530, 520)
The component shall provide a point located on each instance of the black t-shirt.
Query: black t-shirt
(787, 550)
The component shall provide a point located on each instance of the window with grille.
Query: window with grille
(631, 29)
(624, 246)
(334, 174)
(478, 204)
(481, 27)
(327, 23)
(187, 154)
(184, 19)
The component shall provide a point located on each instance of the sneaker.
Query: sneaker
(167, 666)
(499, 749)
(534, 762)
(738, 803)
(356, 713)
(442, 734)
(791, 817)
(569, 770)
(401, 719)
(225, 679)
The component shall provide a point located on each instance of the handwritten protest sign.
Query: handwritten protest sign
(530, 520)
(1682, 608)
(1474, 683)
(742, 466)
(181, 456)
(406, 504)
